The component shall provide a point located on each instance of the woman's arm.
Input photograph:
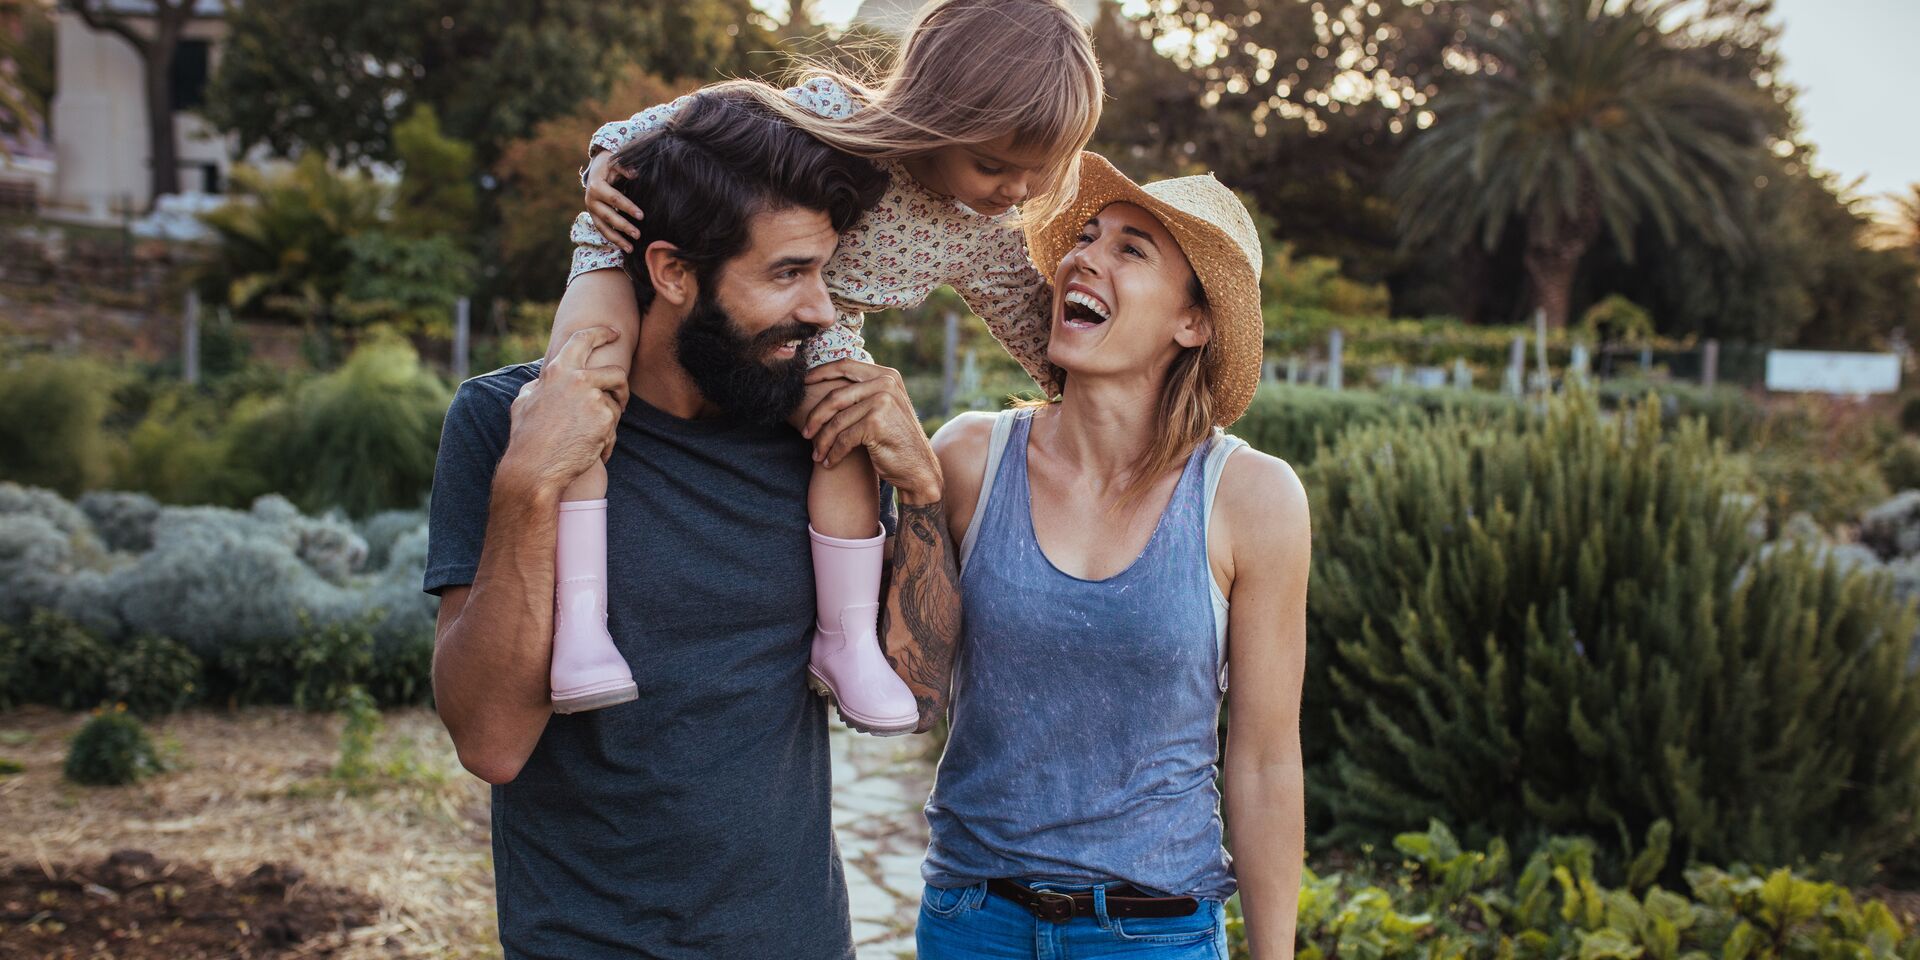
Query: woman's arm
(1263, 512)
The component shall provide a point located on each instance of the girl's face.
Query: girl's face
(1121, 297)
(988, 177)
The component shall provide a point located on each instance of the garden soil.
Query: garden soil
(132, 905)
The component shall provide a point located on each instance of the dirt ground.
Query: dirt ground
(247, 829)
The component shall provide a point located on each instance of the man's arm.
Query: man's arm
(920, 618)
(493, 644)
(920, 613)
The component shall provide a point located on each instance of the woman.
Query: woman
(1119, 553)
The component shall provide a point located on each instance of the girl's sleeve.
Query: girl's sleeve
(1016, 301)
(591, 249)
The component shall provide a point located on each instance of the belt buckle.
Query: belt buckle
(1058, 906)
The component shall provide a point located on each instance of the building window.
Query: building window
(189, 79)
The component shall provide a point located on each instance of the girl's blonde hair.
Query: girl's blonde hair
(970, 72)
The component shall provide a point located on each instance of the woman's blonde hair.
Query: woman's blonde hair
(970, 72)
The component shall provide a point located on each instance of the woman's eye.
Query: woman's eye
(1133, 251)
(1083, 238)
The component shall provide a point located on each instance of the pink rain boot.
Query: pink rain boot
(588, 671)
(847, 662)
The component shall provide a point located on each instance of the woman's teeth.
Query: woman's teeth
(1090, 304)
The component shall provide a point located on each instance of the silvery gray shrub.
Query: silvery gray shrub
(210, 577)
(123, 521)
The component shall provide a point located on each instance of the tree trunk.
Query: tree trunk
(162, 143)
(1553, 256)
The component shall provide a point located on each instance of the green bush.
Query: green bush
(50, 423)
(1900, 464)
(55, 663)
(1732, 414)
(362, 438)
(153, 676)
(1293, 422)
(1442, 901)
(1564, 624)
(111, 750)
(1791, 479)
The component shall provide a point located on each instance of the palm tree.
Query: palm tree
(1582, 115)
(1907, 227)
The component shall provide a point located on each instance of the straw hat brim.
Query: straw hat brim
(1230, 280)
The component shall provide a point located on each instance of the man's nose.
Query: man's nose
(817, 309)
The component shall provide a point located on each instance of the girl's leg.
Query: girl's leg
(588, 670)
(849, 549)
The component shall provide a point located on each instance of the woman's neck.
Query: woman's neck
(1103, 428)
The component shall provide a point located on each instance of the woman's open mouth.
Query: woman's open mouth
(1080, 310)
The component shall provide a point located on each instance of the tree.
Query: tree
(1582, 116)
(154, 33)
(338, 75)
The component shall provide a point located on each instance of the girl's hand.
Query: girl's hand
(606, 204)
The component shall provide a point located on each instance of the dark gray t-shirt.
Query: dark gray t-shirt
(694, 821)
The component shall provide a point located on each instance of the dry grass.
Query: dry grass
(253, 787)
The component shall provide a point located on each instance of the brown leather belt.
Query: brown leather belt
(1061, 906)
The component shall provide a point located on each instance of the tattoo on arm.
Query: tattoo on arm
(920, 620)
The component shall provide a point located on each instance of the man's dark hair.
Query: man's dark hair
(721, 159)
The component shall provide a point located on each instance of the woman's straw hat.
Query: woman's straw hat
(1216, 233)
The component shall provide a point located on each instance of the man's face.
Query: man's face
(740, 341)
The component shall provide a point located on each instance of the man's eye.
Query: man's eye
(789, 274)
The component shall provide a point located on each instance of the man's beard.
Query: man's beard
(725, 364)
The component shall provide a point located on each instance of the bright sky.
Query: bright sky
(1853, 61)
(1855, 65)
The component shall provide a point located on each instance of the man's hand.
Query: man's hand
(870, 408)
(567, 416)
(606, 204)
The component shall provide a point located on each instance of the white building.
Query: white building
(894, 16)
(99, 117)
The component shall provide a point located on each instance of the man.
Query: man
(693, 821)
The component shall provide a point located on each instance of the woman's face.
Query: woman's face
(1121, 299)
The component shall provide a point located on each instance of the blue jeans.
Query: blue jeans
(968, 923)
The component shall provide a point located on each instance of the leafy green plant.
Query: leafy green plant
(1444, 901)
(54, 662)
(1507, 615)
(111, 750)
(153, 676)
(51, 410)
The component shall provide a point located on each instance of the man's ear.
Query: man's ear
(1195, 327)
(672, 277)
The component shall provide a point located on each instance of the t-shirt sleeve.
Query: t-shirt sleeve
(472, 441)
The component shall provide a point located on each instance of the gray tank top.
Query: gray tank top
(1084, 738)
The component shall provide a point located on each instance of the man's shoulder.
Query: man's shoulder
(493, 392)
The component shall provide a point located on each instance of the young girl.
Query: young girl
(979, 126)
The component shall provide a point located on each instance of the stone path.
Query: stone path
(879, 786)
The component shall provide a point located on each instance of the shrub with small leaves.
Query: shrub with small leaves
(1900, 465)
(111, 750)
(356, 761)
(153, 676)
(56, 663)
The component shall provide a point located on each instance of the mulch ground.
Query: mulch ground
(132, 905)
(251, 827)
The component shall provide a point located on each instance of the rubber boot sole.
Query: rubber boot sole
(880, 728)
(596, 696)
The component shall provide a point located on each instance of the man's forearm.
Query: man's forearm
(490, 666)
(920, 621)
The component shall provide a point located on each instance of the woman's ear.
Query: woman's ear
(673, 279)
(1196, 327)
